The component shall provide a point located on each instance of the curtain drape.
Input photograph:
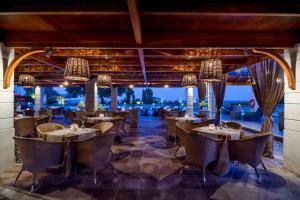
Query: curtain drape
(267, 80)
(219, 88)
(201, 91)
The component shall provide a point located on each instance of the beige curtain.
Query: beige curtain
(201, 91)
(267, 79)
(219, 88)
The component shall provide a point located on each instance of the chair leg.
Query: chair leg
(181, 169)
(75, 169)
(18, 176)
(257, 175)
(95, 176)
(204, 177)
(32, 189)
(113, 168)
(265, 168)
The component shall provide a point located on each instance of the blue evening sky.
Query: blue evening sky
(233, 93)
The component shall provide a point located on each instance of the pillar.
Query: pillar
(190, 101)
(291, 141)
(7, 130)
(114, 99)
(38, 100)
(211, 100)
(91, 96)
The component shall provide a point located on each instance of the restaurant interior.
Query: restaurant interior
(202, 150)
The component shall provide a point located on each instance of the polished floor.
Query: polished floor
(148, 172)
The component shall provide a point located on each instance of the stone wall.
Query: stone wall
(7, 130)
(291, 151)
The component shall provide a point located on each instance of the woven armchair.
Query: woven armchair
(38, 155)
(42, 119)
(103, 128)
(200, 150)
(233, 125)
(48, 127)
(95, 152)
(25, 127)
(133, 117)
(249, 150)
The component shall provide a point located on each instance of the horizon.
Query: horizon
(233, 93)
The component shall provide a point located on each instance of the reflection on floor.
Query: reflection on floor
(146, 172)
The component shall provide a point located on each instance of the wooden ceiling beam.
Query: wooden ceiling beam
(49, 61)
(159, 40)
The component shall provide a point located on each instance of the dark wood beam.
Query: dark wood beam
(117, 40)
(135, 20)
(50, 61)
(154, 7)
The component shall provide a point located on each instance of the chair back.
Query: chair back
(117, 124)
(79, 115)
(162, 113)
(25, 127)
(29, 113)
(249, 150)
(181, 129)
(133, 117)
(69, 115)
(38, 155)
(94, 151)
(171, 126)
(43, 119)
(233, 125)
(48, 127)
(104, 127)
(200, 150)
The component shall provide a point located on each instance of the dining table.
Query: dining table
(98, 119)
(68, 136)
(233, 134)
(188, 119)
(222, 164)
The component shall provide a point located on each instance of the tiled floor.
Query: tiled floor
(146, 172)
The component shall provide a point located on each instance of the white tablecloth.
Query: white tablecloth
(96, 119)
(188, 119)
(234, 133)
(81, 134)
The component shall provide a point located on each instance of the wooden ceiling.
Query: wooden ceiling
(147, 40)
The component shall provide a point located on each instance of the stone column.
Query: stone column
(291, 141)
(7, 130)
(190, 101)
(114, 99)
(211, 100)
(91, 96)
(38, 100)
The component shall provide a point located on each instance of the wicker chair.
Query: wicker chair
(118, 123)
(29, 113)
(25, 127)
(200, 150)
(95, 152)
(103, 128)
(43, 119)
(48, 127)
(249, 150)
(171, 128)
(133, 117)
(233, 125)
(58, 112)
(69, 116)
(38, 155)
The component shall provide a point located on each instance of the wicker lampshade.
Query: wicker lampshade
(77, 69)
(26, 81)
(189, 80)
(104, 81)
(211, 70)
